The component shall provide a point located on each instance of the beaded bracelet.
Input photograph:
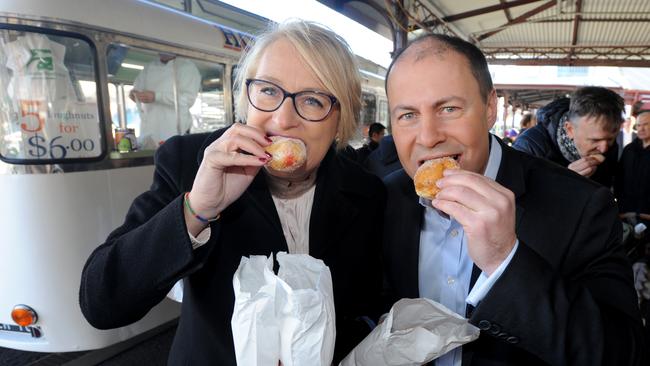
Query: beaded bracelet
(197, 216)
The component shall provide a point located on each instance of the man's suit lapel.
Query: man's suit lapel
(512, 176)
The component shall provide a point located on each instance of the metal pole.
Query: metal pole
(401, 36)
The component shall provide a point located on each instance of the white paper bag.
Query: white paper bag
(305, 311)
(255, 328)
(289, 317)
(415, 332)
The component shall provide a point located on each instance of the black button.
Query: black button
(495, 329)
(502, 335)
(512, 340)
(484, 325)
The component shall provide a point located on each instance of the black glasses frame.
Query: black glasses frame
(293, 96)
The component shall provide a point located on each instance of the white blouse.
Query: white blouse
(293, 201)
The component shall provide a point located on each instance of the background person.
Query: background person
(383, 160)
(632, 184)
(527, 121)
(165, 112)
(579, 133)
(528, 251)
(376, 132)
(625, 136)
(212, 202)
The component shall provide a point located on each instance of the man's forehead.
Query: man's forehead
(643, 117)
(426, 48)
(598, 124)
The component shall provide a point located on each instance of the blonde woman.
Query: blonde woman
(214, 199)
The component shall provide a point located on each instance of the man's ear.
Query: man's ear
(568, 127)
(491, 112)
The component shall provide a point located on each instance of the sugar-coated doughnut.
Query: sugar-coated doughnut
(288, 154)
(428, 174)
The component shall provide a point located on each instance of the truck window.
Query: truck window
(48, 98)
(156, 95)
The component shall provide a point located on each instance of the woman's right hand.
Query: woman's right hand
(228, 167)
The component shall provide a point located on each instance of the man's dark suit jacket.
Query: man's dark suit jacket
(566, 297)
(141, 260)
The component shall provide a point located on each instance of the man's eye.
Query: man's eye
(449, 109)
(406, 116)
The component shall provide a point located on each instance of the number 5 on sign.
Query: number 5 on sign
(30, 109)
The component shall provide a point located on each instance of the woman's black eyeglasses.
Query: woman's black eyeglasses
(311, 105)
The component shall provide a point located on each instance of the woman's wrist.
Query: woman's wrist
(194, 221)
(198, 215)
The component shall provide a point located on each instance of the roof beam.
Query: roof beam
(576, 22)
(567, 62)
(576, 25)
(520, 19)
(487, 9)
(506, 11)
(604, 20)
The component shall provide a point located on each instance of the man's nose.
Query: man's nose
(429, 134)
(286, 117)
(602, 146)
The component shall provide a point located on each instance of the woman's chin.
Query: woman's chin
(298, 174)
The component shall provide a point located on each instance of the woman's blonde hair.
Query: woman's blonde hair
(325, 53)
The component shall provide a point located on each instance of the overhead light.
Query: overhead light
(132, 66)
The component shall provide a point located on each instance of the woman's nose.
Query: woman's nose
(286, 117)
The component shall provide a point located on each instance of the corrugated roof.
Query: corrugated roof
(561, 32)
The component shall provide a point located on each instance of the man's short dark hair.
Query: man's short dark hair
(594, 101)
(477, 62)
(375, 128)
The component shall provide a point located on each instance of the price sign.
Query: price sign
(54, 130)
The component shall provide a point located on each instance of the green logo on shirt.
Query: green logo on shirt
(43, 57)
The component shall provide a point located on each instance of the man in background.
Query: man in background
(579, 133)
(164, 91)
(376, 132)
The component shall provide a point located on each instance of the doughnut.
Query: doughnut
(288, 154)
(428, 174)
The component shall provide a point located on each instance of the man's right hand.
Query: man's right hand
(228, 167)
(587, 166)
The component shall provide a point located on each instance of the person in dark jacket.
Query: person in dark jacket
(376, 132)
(632, 185)
(579, 133)
(383, 160)
(214, 199)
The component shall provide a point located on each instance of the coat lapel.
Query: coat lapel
(258, 193)
(332, 212)
(408, 218)
(512, 176)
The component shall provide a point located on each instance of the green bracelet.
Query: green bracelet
(197, 216)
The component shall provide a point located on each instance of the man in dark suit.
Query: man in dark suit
(527, 250)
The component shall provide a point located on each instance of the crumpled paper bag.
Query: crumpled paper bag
(289, 317)
(255, 329)
(305, 311)
(416, 331)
